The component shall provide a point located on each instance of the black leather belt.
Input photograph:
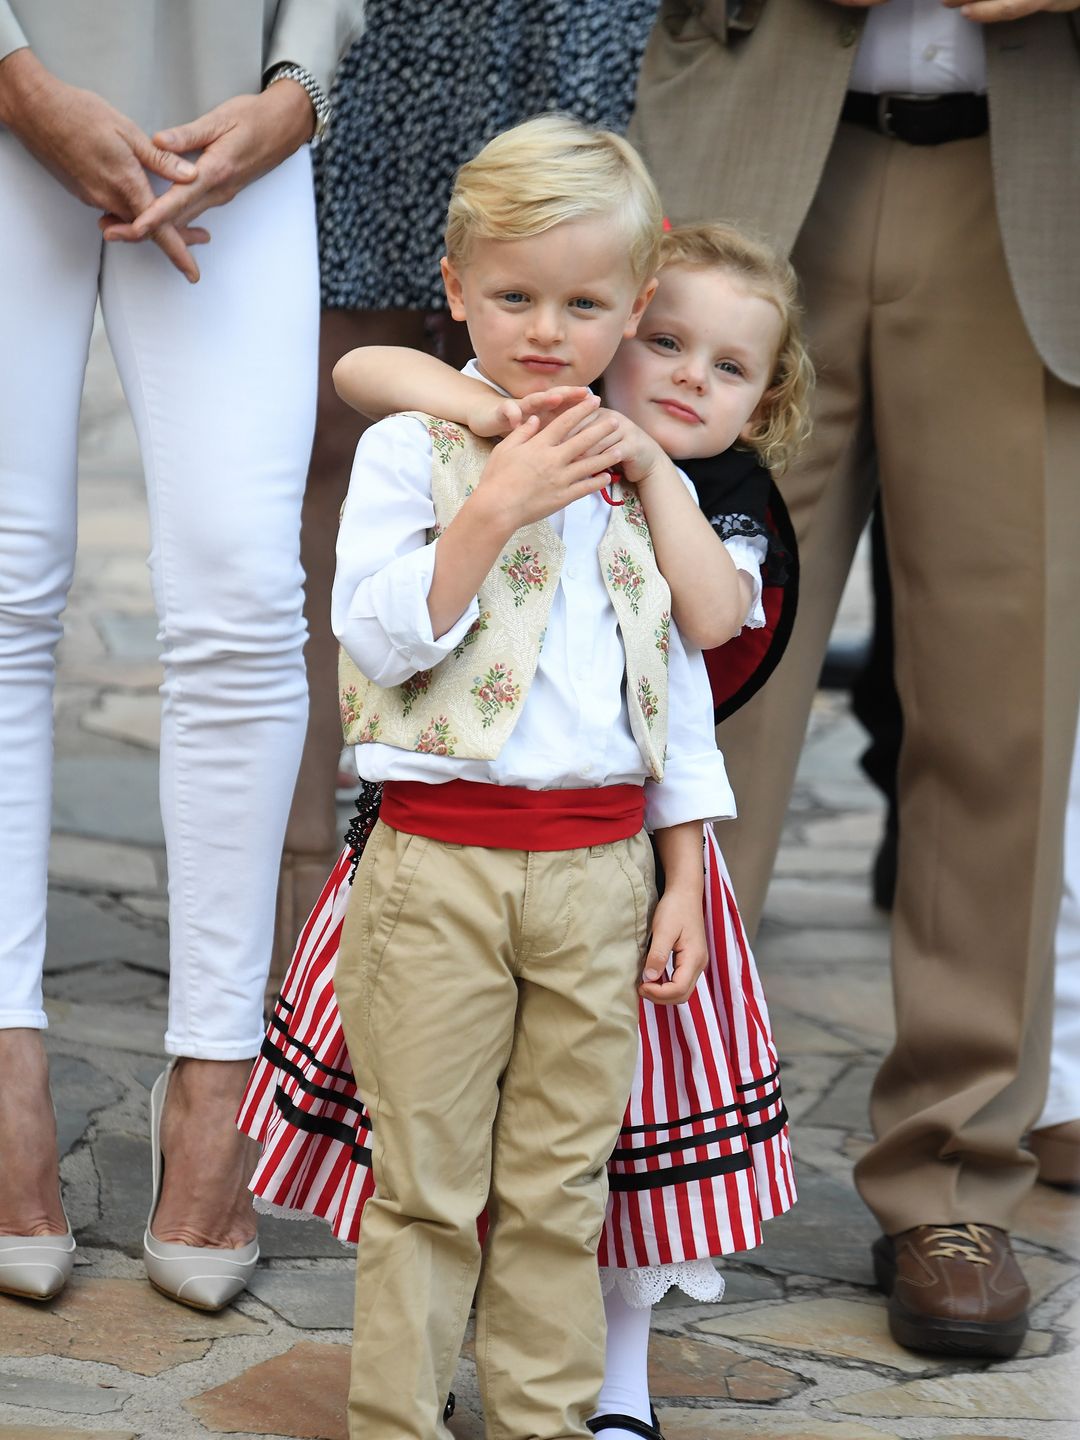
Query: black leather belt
(917, 119)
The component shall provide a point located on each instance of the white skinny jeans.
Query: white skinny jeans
(220, 378)
(1063, 1096)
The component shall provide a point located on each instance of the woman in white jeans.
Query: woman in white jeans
(220, 377)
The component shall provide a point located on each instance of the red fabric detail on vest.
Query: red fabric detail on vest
(509, 817)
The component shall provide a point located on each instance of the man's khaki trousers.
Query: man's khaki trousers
(929, 383)
(490, 1006)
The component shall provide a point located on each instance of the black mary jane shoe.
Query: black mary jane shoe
(449, 1407)
(630, 1423)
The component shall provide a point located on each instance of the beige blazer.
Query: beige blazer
(739, 125)
(166, 61)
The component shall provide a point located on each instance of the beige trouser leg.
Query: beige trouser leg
(922, 347)
(489, 1002)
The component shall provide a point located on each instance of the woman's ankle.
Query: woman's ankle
(29, 1181)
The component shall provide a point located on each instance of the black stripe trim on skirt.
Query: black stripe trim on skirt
(767, 1129)
(667, 1147)
(270, 1051)
(687, 1120)
(679, 1174)
(765, 1080)
(319, 1125)
(276, 1024)
(752, 1105)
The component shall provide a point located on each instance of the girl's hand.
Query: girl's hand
(496, 415)
(641, 455)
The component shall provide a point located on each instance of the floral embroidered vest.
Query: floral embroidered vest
(468, 704)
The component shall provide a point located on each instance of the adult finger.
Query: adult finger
(195, 135)
(174, 206)
(162, 162)
(168, 240)
(989, 12)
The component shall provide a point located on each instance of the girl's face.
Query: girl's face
(694, 375)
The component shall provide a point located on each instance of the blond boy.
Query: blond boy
(521, 692)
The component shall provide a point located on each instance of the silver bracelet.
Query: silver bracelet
(319, 103)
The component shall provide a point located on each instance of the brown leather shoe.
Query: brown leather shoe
(953, 1290)
(1057, 1149)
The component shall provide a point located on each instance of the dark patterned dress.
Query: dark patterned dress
(430, 82)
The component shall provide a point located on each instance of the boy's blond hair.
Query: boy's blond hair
(548, 170)
(784, 422)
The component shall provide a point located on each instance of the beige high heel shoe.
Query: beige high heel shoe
(36, 1267)
(202, 1276)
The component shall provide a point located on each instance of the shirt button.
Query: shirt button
(586, 769)
(570, 571)
(930, 53)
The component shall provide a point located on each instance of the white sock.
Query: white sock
(626, 1366)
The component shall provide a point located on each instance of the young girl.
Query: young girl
(703, 1157)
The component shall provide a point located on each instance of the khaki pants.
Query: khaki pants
(929, 382)
(489, 1002)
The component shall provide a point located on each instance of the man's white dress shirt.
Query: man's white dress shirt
(918, 47)
(574, 728)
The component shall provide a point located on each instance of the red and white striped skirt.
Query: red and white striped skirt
(703, 1157)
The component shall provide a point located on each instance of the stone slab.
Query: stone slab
(84, 931)
(846, 1105)
(85, 864)
(781, 946)
(39, 1393)
(133, 719)
(686, 1424)
(302, 1393)
(857, 1000)
(300, 1240)
(825, 905)
(107, 1027)
(112, 983)
(1050, 1217)
(828, 1233)
(79, 1090)
(307, 1299)
(129, 635)
(118, 1322)
(796, 1035)
(123, 1166)
(685, 1367)
(114, 798)
(49, 1432)
(1041, 1390)
(833, 1329)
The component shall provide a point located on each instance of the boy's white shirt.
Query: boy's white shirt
(574, 729)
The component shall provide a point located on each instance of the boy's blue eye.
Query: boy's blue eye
(513, 297)
(583, 303)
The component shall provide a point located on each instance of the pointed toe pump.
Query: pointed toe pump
(36, 1267)
(204, 1277)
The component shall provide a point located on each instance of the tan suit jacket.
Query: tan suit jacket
(166, 61)
(739, 125)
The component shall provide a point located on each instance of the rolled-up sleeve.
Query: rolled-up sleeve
(385, 562)
(695, 784)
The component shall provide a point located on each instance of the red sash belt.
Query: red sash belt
(508, 817)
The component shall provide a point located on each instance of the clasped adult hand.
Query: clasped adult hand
(238, 141)
(96, 152)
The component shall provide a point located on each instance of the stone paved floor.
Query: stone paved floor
(798, 1348)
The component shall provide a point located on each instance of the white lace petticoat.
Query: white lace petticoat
(648, 1284)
